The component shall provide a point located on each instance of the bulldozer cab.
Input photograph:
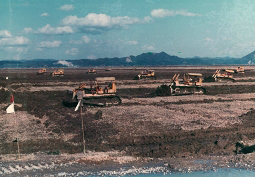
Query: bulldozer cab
(104, 85)
(91, 71)
(148, 72)
(240, 69)
(188, 79)
(59, 72)
(41, 71)
(193, 79)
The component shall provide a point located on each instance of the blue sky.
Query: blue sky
(90, 29)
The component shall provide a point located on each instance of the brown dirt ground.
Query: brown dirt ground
(144, 125)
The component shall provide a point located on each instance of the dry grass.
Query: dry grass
(221, 112)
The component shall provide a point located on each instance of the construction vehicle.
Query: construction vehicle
(223, 75)
(59, 73)
(191, 83)
(146, 74)
(101, 92)
(41, 71)
(239, 69)
(91, 71)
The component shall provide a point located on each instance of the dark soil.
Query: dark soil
(168, 143)
(79, 75)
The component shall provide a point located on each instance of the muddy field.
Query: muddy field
(144, 125)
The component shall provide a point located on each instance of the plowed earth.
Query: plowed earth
(143, 125)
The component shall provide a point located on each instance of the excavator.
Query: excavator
(59, 73)
(41, 71)
(191, 83)
(223, 75)
(146, 74)
(101, 92)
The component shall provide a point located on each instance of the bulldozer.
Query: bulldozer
(146, 74)
(191, 83)
(101, 92)
(223, 75)
(91, 71)
(239, 69)
(41, 71)
(59, 73)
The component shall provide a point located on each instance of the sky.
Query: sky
(91, 29)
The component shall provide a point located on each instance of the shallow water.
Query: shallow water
(147, 173)
(218, 173)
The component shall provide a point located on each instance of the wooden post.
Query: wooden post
(17, 135)
(18, 147)
(82, 128)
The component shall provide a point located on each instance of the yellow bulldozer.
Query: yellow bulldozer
(100, 92)
(146, 74)
(225, 75)
(59, 72)
(41, 71)
(240, 69)
(190, 83)
(91, 71)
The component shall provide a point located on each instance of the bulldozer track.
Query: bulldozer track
(225, 80)
(111, 100)
(182, 90)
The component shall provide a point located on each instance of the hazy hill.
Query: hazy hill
(249, 59)
(144, 59)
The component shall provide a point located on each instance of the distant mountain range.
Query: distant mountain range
(145, 59)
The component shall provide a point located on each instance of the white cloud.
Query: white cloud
(73, 51)
(91, 57)
(17, 51)
(45, 14)
(132, 42)
(47, 29)
(96, 23)
(84, 39)
(22, 50)
(208, 39)
(67, 7)
(38, 49)
(99, 20)
(27, 30)
(48, 44)
(5, 33)
(148, 19)
(161, 13)
(146, 47)
(14, 41)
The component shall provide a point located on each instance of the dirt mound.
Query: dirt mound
(208, 79)
(163, 90)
